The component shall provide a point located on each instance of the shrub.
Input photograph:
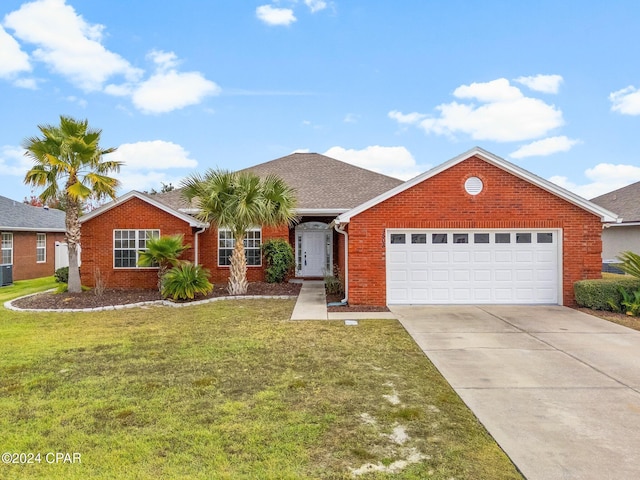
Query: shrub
(600, 294)
(184, 281)
(333, 283)
(630, 263)
(630, 302)
(280, 260)
(62, 275)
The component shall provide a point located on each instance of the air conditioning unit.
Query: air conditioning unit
(6, 275)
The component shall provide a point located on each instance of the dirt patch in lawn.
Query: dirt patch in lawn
(89, 299)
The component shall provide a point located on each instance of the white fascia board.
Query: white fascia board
(320, 211)
(604, 214)
(127, 196)
(622, 224)
(32, 229)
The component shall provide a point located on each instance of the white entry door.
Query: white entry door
(474, 266)
(313, 253)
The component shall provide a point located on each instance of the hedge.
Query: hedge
(596, 294)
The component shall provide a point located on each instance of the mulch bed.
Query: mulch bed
(349, 308)
(89, 299)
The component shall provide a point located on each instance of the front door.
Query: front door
(313, 253)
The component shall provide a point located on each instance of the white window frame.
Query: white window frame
(7, 245)
(137, 239)
(41, 247)
(227, 242)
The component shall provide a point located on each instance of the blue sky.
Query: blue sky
(397, 87)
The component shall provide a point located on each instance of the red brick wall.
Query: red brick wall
(441, 202)
(97, 245)
(25, 265)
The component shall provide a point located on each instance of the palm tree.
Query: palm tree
(69, 164)
(240, 201)
(164, 253)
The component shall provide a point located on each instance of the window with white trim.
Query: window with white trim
(41, 247)
(127, 244)
(7, 249)
(252, 247)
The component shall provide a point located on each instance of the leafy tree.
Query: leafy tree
(163, 252)
(69, 164)
(166, 187)
(239, 201)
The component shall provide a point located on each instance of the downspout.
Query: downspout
(196, 246)
(339, 227)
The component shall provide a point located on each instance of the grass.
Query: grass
(230, 390)
(25, 287)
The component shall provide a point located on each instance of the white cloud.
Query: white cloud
(504, 114)
(406, 118)
(154, 154)
(544, 147)
(351, 118)
(626, 101)
(171, 90)
(167, 89)
(301, 150)
(68, 44)
(275, 16)
(12, 59)
(145, 164)
(392, 161)
(28, 83)
(542, 83)
(315, 5)
(605, 177)
(13, 161)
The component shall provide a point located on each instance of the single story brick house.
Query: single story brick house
(618, 237)
(475, 229)
(29, 238)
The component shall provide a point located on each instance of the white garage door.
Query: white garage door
(474, 266)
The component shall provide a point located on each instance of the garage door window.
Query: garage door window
(397, 238)
(438, 238)
(546, 237)
(460, 238)
(503, 238)
(480, 238)
(418, 238)
(523, 238)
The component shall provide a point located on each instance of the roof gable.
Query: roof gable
(498, 162)
(624, 201)
(145, 198)
(18, 216)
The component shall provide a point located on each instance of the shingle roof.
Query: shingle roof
(320, 182)
(625, 202)
(16, 216)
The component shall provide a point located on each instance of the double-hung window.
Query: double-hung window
(7, 249)
(252, 247)
(127, 244)
(41, 247)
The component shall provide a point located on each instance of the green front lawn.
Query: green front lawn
(25, 287)
(230, 390)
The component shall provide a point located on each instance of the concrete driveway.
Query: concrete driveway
(558, 389)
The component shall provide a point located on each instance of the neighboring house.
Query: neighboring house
(476, 229)
(29, 238)
(625, 234)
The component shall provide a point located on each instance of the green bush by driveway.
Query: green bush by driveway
(596, 294)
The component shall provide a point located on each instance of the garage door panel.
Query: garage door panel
(525, 270)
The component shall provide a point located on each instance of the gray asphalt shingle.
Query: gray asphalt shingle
(625, 202)
(15, 216)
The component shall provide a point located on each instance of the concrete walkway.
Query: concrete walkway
(558, 389)
(312, 305)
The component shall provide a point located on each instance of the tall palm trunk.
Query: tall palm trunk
(73, 242)
(238, 271)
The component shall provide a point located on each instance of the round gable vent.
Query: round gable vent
(473, 185)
